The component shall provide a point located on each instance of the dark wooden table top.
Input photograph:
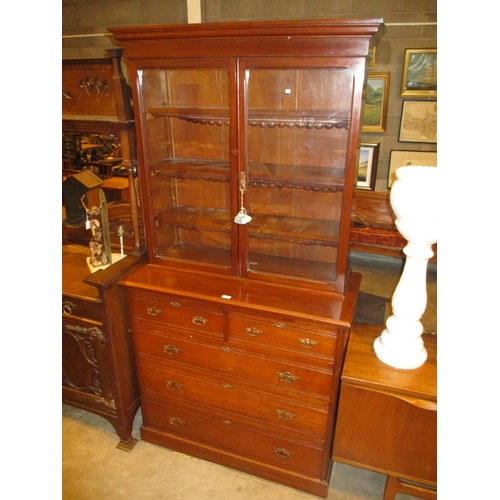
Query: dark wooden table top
(363, 368)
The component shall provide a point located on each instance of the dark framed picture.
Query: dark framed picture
(367, 165)
(377, 98)
(419, 73)
(409, 158)
(418, 122)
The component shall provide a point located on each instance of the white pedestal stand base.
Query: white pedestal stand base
(413, 199)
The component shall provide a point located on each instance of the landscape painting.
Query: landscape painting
(367, 165)
(375, 110)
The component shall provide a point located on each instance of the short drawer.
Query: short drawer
(224, 357)
(226, 393)
(88, 309)
(176, 311)
(229, 435)
(282, 334)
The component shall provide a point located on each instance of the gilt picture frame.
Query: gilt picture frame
(367, 165)
(371, 57)
(419, 73)
(376, 102)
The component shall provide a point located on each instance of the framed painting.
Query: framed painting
(367, 165)
(409, 158)
(377, 98)
(418, 122)
(419, 73)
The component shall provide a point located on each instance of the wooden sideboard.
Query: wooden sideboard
(98, 369)
(373, 226)
(387, 417)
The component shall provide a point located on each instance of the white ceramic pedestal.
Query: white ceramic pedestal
(414, 201)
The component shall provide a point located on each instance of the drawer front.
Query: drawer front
(282, 334)
(81, 308)
(225, 358)
(172, 310)
(231, 436)
(183, 388)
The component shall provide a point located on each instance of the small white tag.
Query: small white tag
(225, 297)
(87, 224)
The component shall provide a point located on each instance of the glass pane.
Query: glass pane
(186, 128)
(297, 147)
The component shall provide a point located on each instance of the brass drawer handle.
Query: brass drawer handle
(227, 386)
(252, 331)
(226, 349)
(171, 350)
(284, 414)
(173, 385)
(198, 320)
(307, 343)
(227, 422)
(175, 304)
(153, 311)
(282, 452)
(280, 325)
(287, 377)
(67, 308)
(178, 422)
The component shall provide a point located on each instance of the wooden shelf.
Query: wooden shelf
(193, 168)
(296, 176)
(312, 270)
(290, 118)
(263, 226)
(295, 230)
(220, 257)
(197, 219)
(259, 262)
(267, 175)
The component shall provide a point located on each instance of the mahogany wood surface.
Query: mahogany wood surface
(249, 381)
(97, 355)
(177, 122)
(240, 330)
(387, 417)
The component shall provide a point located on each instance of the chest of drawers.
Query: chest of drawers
(237, 376)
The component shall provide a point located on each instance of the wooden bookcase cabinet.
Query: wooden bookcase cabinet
(256, 123)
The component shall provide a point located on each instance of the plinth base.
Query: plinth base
(397, 356)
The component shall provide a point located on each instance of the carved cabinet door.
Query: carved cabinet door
(83, 361)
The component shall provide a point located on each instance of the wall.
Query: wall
(409, 24)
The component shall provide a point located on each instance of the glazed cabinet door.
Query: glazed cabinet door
(296, 145)
(187, 136)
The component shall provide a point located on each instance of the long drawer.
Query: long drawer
(184, 387)
(231, 436)
(223, 358)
